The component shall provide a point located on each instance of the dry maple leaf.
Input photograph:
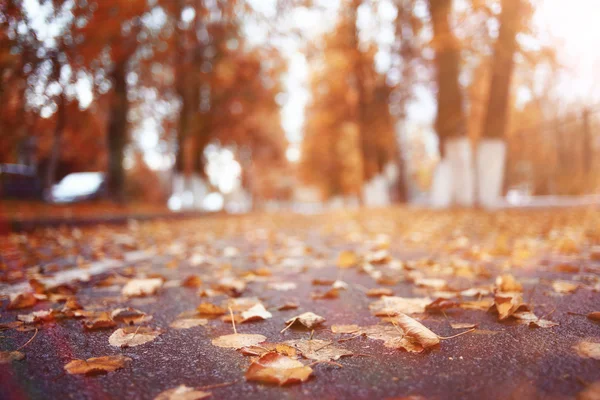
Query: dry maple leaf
(347, 259)
(210, 309)
(96, 365)
(308, 319)
(588, 349)
(36, 316)
(332, 293)
(275, 368)
(265, 348)
(130, 316)
(192, 281)
(416, 331)
(508, 283)
(238, 340)
(132, 336)
(528, 317)
(378, 292)
(508, 303)
(256, 313)
(594, 316)
(441, 304)
(345, 328)
(182, 392)
(393, 337)
(187, 323)
(21, 300)
(318, 350)
(10, 356)
(141, 287)
(564, 287)
(101, 320)
(392, 305)
(287, 306)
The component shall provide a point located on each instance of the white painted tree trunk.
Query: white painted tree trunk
(454, 179)
(491, 161)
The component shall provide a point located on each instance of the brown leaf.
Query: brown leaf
(594, 316)
(508, 283)
(132, 336)
(210, 309)
(392, 305)
(507, 303)
(347, 259)
(528, 317)
(96, 365)
(392, 336)
(440, 304)
(332, 293)
(564, 287)
(101, 320)
(431, 283)
(238, 340)
(345, 328)
(378, 292)
(462, 325)
(182, 392)
(187, 323)
(287, 306)
(318, 350)
(256, 313)
(587, 349)
(416, 331)
(10, 356)
(130, 316)
(192, 281)
(36, 316)
(21, 300)
(141, 287)
(264, 348)
(308, 319)
(278, 369)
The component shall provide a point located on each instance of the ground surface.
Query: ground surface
(413, 253)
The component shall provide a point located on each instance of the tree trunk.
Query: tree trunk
(56, 142)
(450, 119)
(491, 151)
(117, 132)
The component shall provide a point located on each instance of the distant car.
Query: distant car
(79, 186)
(20, 182)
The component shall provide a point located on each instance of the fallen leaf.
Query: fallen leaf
(392, 305)
(528, 317)
(393, 337)
(238, 340)
(345, 328)
(210, 309)
(432, 283)
(308, 319)
(130, 316)
(564, 287)
(332, 293)
(462, 325)
(141, 287)
(192, 281)
(282, 286)
(275, 368)
(508, 303)
(182, 392)
(318, 350)
(508, 283)
(378, 257)
(323, 282)
(287, 306)
(416, 331)
(187, 323)
(101, 320)
(482, 305)
(96, 365)
(347, 259)
(378, 292)
(594, 316)
(10, 356)
(22, 300)
(265, 348)
(36, 316)
(588, 349)
(441, 304)
(256, 313)
(132, 336)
